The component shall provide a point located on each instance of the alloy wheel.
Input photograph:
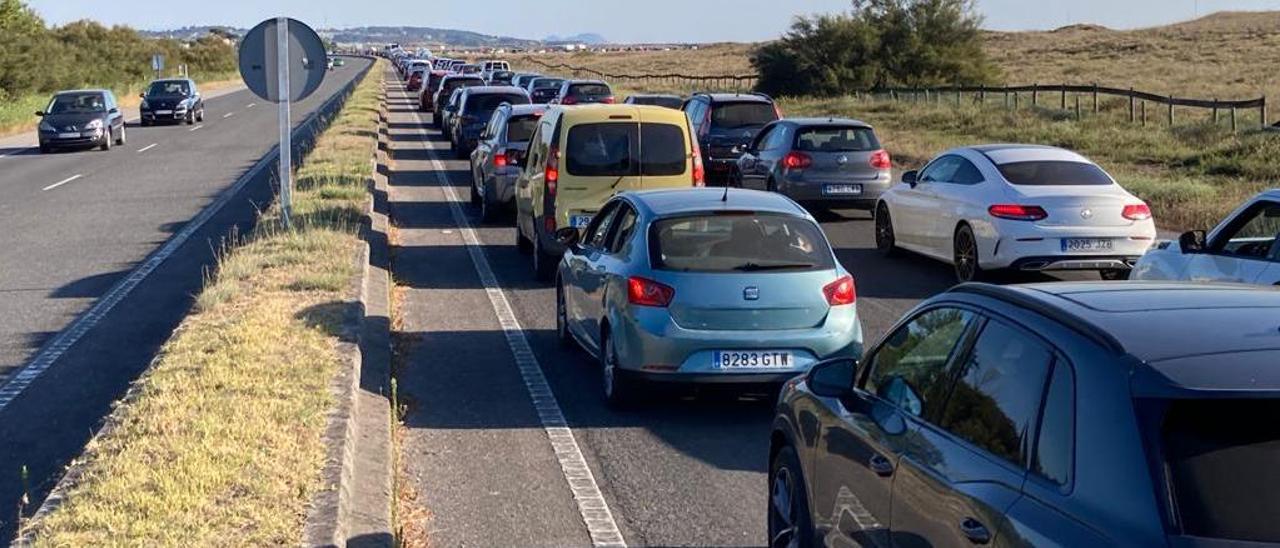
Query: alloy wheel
(966, 255)
(884, 230)
(609, 371)
(783, 520)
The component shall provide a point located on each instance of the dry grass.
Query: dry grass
(220, 441)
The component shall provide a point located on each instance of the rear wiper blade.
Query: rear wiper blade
(753, 267)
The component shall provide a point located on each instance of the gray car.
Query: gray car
(499, 156)
(82, 118)
(448, 85)
(1063, 414)
(475, 110)
(703, 286)
(828, 162)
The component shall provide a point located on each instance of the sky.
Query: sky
(618, 21)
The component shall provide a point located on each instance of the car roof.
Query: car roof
(825, 122)
(520, 110)
(655, 96)
(679, 201)
(736, 97)
(70, 91)
(1157, 321)
(487, 90)
(1272, 194)
(576, 81)
(1000, 154)
(579, 114)
(456, 76)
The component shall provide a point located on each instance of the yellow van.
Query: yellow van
(580, 156)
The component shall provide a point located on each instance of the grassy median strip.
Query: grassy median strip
(221, 440)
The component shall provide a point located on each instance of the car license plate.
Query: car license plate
(1087, 244)
(68, 135)
(752, 359)
(163, 112)
(837, 190)
(579, 221)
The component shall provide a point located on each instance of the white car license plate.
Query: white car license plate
(68, 135)
(579, 221)
(752, 359)
(163, 112)
(838, 190)
(1087, 244)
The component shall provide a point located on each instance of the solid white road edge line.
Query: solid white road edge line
(592, 506)
(146, 148)
(64, 181)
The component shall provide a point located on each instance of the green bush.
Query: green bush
(881, 43)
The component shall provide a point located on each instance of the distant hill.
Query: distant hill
(589, 38)
(191, 33)
(423, 35)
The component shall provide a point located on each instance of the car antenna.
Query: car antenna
(725, 198)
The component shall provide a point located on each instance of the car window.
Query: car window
(598, 229)
(495, 123)
(940, 170)
(1252, 234)
(623, 228)
(520, 128)
(742, 115)
(910, 369)
(164, 88)
(996, 399)
(748, 242)
(490, 101)
(761, 141)
(1054, 173)
(837, 139)
(779, 139)
(590, 90)
(663, 150)
(1055, 443)
(966, 173)
(697, 114)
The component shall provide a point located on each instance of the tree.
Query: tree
(880, 43)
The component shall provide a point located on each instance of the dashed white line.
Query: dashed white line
(195, 128)
(228, 115)
(146, 148)
(64, 181)
(251, 105)
(592, 506)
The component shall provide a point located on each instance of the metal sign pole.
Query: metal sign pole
(286, 141)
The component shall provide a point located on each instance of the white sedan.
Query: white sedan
(1244, 248)
(1021, 207)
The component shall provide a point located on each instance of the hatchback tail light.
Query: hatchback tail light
(699, 172)
(841, 291)
(551, 173)
(880, 159)
(1136, 212)
(570, 100)
(1017, 212)
(646, 292)
(796, 160)
(500, 158)
(608, 100)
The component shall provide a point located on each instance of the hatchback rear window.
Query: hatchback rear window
(741, 115)
(544, 83)
(1054, 173)
(590, 90)
(626, 149)
(837, 139)
(746, 242)
(1221, 457)
(489, 102)
(520, 128)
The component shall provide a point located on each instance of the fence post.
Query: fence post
(1095, 98)
(958, 95)
(1233, 119)
(1170, 111)
(1063, 102)
(1144, 113)
(982, 94)
(1262, 113)
(1077, 107)
(1035, 94)
(1015, 100)
(1131, 113)
(1215, 111)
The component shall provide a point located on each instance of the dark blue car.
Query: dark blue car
(1071, 414)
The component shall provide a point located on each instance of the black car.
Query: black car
(1069, 414)
(475, 109)
(81, 119)
(583, 92)
(725, 124)
(172, 100)
(447, 84)
(669, 101)
(501, 78)
(543, 90)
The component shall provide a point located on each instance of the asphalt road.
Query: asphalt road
(75, 224)
(679, 471)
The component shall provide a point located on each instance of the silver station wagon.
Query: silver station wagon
(703, 286)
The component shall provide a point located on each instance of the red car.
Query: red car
(415, 80)
(427, 95)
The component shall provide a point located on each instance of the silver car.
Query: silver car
(705, 286)
(499, 156)
(829, 162)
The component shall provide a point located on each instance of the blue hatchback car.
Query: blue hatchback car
(704, 286)
(1067, 414)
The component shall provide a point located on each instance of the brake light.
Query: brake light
(880, 159)
(841, 291)
(796, 160)
(1017, 212)
(607, 100)
(646, 292)
(569, 100)
(551, 172)
(1136, 212)
(500, 158)
(699, 173)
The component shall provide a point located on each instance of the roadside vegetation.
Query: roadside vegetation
(36, 60)
(222, 437)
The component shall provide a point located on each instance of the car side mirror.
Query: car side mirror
(568, 236)
(40, 113)
(832, 378)
(911, 178)
(1192, 241)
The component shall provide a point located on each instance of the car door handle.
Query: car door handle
(881, 466)
(975, 531)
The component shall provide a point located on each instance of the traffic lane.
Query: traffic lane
(66, 246)
(47, 425)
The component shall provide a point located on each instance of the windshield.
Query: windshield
(168, 88)
(1054, 173)
(73, 103)
(742, 115)
(520, 128)
(739, 242)
(624, 149)
(837, 139)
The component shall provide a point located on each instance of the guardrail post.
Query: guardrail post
(1131, 106)
(926, 95)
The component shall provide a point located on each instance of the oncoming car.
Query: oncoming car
(83, 118)
(703, 286)
(171, 100)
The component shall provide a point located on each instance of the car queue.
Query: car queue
(1067, 413)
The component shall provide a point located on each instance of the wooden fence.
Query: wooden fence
(730, 82)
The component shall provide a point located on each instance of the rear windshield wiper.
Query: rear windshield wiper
(753, 267)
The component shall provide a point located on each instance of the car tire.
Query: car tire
(121, 139)
(475, 194)
(191, 118)
(200, 117)
(886, 241)
(144, 122)
(789, 520)
(619, 391)
(544, 265)
(106, 141)
(964, 255)
(562, 319)
(1114, 274)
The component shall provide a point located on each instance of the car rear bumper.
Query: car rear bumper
(1027, 246)
(815, 190)
(1075, 262)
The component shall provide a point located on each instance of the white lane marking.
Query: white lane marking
(65, 339)
(146, 148)
(592, 506)
(64, 181)
(228, 115)
(251, 105)
(17, 151)
(197, 127)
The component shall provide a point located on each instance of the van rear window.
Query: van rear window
(626, 149)
(1221, 458)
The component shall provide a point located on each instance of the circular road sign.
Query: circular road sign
(259, 60)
